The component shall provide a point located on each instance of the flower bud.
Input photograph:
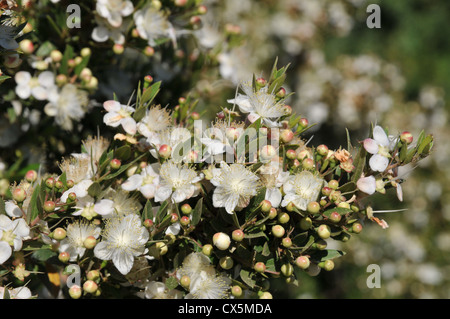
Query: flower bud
(286, 242)
(281, 93)
(266, 295)
(115, 163)
(278, 231)
(322, 150)
(313, 207)
(236, 291)
(93, 275)
(232, 133)
(261, 82)
(59, 233)
(186, 209)
(90, 286)
(287, 110)
(64, 257)
(267, 152)
(148, 223)
(287, 269)
(61, 79)
(290, 207)
(283, 218)
(49, 206)
(324, 231)
(302, 262)
(357, 228)
(85, 52)
(305, 223)
(226, 262)
(328, 265)
(273, 213)
(406, 137)
(173, 218)
(56, 56)
(221, 240)
(237, 235)
(333, 184)
(260, 267)
(149, 51)
(207, 249)
(12, 61)
(266, 206)
(19, 195)
(335, 217)
(185, 220)
(308, 164)
(195, 116)
(303, 123)
(185, 281)
(90, 242)
(50, 182)
(75, 292)
(31, 176)
(118, 48)
(286, 136)
(72, 197)
(162, 248)
(290, 154)
(181, 3)
(165, 151)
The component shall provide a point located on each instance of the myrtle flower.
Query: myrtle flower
(235, 185)
(16, 293)
(379, 147)
(119, 114)
(301, 189)
(114, 10)
(172, 137)
(260, 104)
(193, 264)
(177, 182)
(273, 177)
(146, 182)
(221, 139)
(367, 184)
(95, 147)
(12, 233)
(67, 105)
(122, 203)
(154, 121)
(122, 239)
(87, 208)
(104, 31)
(40, 87)
(152, 24)
(158, 290)
(209, 286)
(77, 233)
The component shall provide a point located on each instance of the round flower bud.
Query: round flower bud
(260, 267)
(290, 154)
(324, 231)
(185, 220)
(261, 82)
(90, 286)
(118, 48)
(185, 281)
(207, 249)
(406, 137)
(71, 197)
(305, 223)
(322, 150)
(149, 51)
(302, 262)
(287, 109)
(90, 242)
(59, 185)
(59, 233)
(93, 275)
(286, 242)
(296, 163)
(273, 213)
(64, 257)
(335, 217)
(344, 205)
(61, 79)
(173, 218)
(56, 56)
(236, 291)
(162, 248)
(286, 136)
(31, 176)
(226, 262)
(50, 182)
(357, 228)
(281, 93)
(148, 223)
(328, 265)
(308, 164)
(49, 206)
(313, 207)
(290, 207)
(237, 235)
(75, 292)
(266, 295)
(333, 184)
(266, 206)
(221, 240)
(303, 123)
(302, 155)
(19, 195)
(287, 269)
(195, 116)
(85, 52)
(278, 231)
(165, 151)
(283, 218)
(186, 209)
(267, 152)
(115, 163)
(326, 191)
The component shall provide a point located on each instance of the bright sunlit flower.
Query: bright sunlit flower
(122, 239)
(12, 233)
(379, 147)
(302, 189)
(87, 208)
(208, 285)
(77, 233)
(152, 24)
(158, 290)
(235, 185)
(119, 114)
(155, 121)
(146, 182)
(39, 87)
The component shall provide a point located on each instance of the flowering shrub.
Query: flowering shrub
(169, 208)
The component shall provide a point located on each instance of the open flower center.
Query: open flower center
(9, 237)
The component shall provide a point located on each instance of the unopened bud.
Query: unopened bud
(333, 184)
(118, 48)
(221, 240)
(226, 262)
(305, 223)
(324, 231)
(283, 218)
(75, 292)
(165, 151)
(260, 267)
(56, 56)
(266, 206)
(357, 228)
(273, 213)
(406, 137)
(281, 93)
(236, 291)
(313, 207)
(308, 164)
(290, 154)
(287, 269)
(267, 152)
(19, 195)
(207, 249)
(237, 235)
(186, 209)
(148, 223)
(64, 257)
(327, 265)
(49, 206)
(335, 217)
(115, 163)
(93, 275)
(31, 176)
(50, 182)
(322, 150)
(278, 231)
(302, 262)
(286, 242)
(90, 286)
(90, 242)
(286, 136)
(303, 123)
(185, 220)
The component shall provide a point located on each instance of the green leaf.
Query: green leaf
(84, 62)
(349, 187)
(339, 210)
(123, 153)
(322, 255)
(32, 211)
(359, 163)
(171, 283)
(246, 277)
(6, 294)
(68, 54)
(162, 212)
(123, 168)
(197, 212)
(403, 152)
(43, 254)
(2, 206)
(147, 213)
(94, 190)
(266, 250)
(3, 78)
(300, 239)
(427, 142)
(256, 235)
(150, 93)
(45, 49)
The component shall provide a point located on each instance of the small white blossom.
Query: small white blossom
(119, 114)
(40, 87)
(155, 121)
(379, 147)
(77, 233)
(12, 233)
(86, 207)
(152, 24)
(114, 10)
(301, 189)
(146, 182)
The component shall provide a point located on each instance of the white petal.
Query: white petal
(102, 252)
(46, 79)
(243, 102)
(22, 293)
(12, 209)
(173, 229)
(104, 207)
(22, 78)
(23, 91)
(123, 261)
(367, 185)
(100, 34)
(5, 222)
(132, 183)
(183, 193)
(399, 192)
(17, 243)
(5, 252)
(115, 19)
(378, 163)
(39, 93)
(163, 193)
(273, 195)
(371, 146)
(127, 8)
(111, 106)
(380, 136)
(21, 228)
(252, 117)
(148, 191)
(129, 125)
(51, 109)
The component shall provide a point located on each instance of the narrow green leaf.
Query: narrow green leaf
(32, 211)
(94, 190)
(359, 163)
(246, 277)
(339, 210)
(162, 212)
(68, 54)
(123, 153)
(147, 213)
(43, 254)
(197, 212)
(171, 283)
(150, 93)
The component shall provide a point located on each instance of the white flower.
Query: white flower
(379, 147)
(119, 114)
(209, 286)
(123, 239)
(95, 147)
(273, 178)
(302, 189)
(177, 182)
(235, 185)
(114, 10)
(86, 207)
(367, 184)
(123, 204)
(12, 209)
(16, 293)
(260, 104)
(193, 264)
(80, 190)
(39, 87)
(77, 168)
(12, 232)
(146, 182)
(76, 235)
(104, 31)
(67, 105)
(172, 137)
(154, 121)
(158, 290)
(152, 25)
